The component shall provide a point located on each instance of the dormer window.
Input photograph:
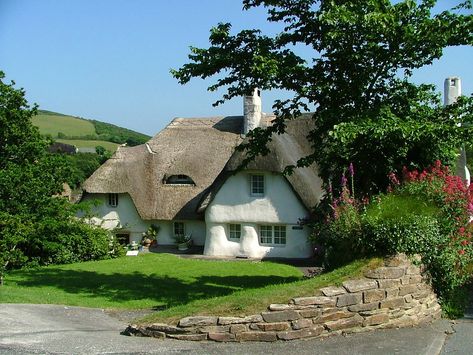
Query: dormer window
(179, 180)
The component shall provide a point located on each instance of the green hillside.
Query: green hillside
(54, 124)
(82, 143)
(84, 133)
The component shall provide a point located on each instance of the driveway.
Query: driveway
(52, 329)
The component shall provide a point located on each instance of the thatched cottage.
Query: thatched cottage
(185, 180)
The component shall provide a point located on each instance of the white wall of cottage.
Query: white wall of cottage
(234, 204)
(126, 216)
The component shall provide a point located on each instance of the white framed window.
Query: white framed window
(235, 231)
(179, 230)
(113, 200)
(257, 185)
(279, 235)
(272, 235)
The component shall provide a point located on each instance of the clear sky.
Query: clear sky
(110, 59)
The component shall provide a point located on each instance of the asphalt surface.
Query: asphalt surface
(52, 329)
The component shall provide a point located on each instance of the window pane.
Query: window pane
(178, 229)
(235, 231)
(266, 234)
(279, 234)
(113, 200)
(257, 184)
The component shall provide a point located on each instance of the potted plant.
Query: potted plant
(184, 242)
(150, 237)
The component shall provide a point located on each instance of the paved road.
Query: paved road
(51, 329)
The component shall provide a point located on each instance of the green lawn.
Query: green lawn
(147, 281)
(254, 300)
(82, 143)
(179, 287)
(71, 126)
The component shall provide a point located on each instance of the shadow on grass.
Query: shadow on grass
(164, 291)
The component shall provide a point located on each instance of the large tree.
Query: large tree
(37, 226)
(355, 81)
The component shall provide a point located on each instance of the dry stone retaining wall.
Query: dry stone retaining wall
(394, 295)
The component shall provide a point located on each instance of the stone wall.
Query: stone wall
(393, 295)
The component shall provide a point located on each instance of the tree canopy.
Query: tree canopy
(356, 81)
(37, 226)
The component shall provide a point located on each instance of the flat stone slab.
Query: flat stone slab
(386, 273)
(360, 285)
(169, 329)
(278, 326)
(222, 337)
(197, 321)
(280, 306)
(373, 295)
(349, 299)
(256, 336)
(345, 323)
(316, 300)
(332, 291)
(240, 320)
(190, 337)
(302, 333)
(282, 316)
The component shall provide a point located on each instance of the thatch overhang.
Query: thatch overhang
(197, 147)
(204, 150)
(285, 149)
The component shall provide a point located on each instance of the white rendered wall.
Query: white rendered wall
(234, 204)
(126, 216)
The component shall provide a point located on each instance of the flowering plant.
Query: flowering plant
(424, 212)
(452, 259)
(340, 231)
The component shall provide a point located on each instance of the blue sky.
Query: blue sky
(110, 59)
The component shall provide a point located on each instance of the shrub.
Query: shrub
(340, 232)
(427, 214)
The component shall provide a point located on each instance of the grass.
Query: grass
(144, 282)
(52, 123)
(392, 206)
(251, 301)
(80, 143)
(177, 287)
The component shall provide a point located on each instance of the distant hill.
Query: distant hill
(85, 133)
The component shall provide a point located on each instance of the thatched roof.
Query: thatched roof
(198, 148)
(285, 149)
(204, 150)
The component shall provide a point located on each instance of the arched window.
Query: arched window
(179, 180)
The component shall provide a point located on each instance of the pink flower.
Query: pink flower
(351, 170)
(393, 178)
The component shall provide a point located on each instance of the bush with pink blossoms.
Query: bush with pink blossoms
(424, 212)
(451, 261)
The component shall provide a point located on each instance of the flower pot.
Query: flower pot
(183, 246)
